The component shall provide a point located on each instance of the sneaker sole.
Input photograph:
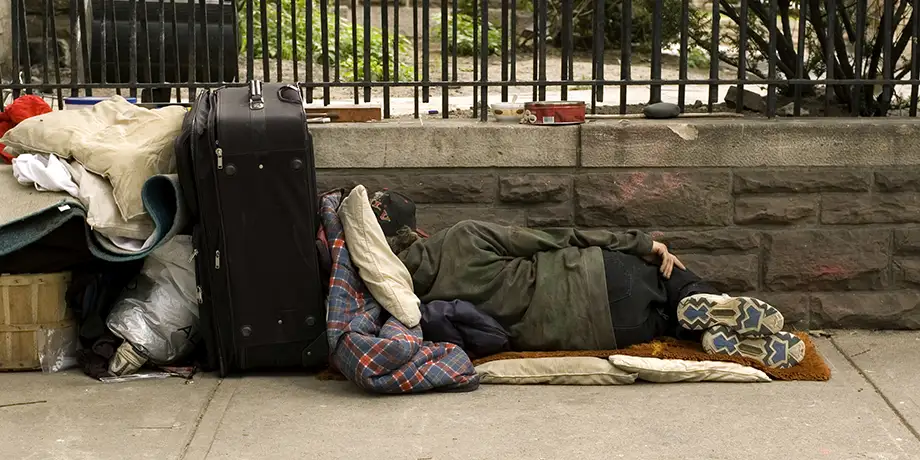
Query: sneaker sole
(747, 316)
(781, 350)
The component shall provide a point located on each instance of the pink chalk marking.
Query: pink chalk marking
(830, 270)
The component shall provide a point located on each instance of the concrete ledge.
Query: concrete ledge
(625, 143)
(748, 143)
(451, 144)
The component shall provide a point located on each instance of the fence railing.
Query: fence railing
(423, 57)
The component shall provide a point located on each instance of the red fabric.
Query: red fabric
(26, 107)
(23, 107)
(5, 125)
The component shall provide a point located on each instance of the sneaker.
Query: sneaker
(780, 350)
(747, 316)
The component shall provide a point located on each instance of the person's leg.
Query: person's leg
(695, 305)
(738, 326)
(684, 283)
(634, 292)
(681, 284)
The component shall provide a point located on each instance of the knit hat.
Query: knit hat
(394, 211)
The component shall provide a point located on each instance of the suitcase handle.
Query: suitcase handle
(292, 91)
(255, 95)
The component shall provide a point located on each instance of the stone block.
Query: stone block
(827, 260)
(775, 210)
(728, 273)
(748, 99)
(907, 240)
(713, 240)
(420, 187)
(535, 188)
(798, 181)
(552, 216)
(653, 199)
(907, 273)
(867, 310)
(443, 144)
(880, 208)
(436, 218)
(748, 143)
(898, 180)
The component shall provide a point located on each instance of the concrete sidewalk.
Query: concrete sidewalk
(869, 409)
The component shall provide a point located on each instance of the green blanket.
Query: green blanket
(27, 215)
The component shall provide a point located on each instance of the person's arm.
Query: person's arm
(525, 242)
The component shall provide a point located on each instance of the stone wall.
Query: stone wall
(832, 247)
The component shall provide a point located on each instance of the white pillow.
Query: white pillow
(568, 370)
(679, 370)
(384, 274)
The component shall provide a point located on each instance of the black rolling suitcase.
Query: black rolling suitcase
(245, 160)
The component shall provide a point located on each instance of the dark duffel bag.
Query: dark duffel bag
(245, 160)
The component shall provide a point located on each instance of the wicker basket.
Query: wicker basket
(29, 306)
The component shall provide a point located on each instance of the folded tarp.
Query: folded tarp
(31, 218)
(370, 347)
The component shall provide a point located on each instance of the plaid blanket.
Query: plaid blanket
(373, 349)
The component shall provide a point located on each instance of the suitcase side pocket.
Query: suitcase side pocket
(186, 146)
(209, 327)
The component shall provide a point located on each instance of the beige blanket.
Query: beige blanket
(118, 140)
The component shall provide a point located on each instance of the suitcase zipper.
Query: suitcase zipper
(217, 259)
(220, 157)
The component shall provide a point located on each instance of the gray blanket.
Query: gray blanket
(27, 215)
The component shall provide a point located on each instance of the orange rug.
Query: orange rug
(812, 368)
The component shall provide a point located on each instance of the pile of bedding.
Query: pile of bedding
(112, 165)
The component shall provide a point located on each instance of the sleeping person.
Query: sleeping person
(569, 289)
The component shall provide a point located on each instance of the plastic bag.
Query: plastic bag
(133, 377)
(158, 314)
(57, 349)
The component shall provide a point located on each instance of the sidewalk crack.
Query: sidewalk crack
(878, 390)
(201, 414)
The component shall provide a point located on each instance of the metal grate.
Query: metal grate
(405, 53)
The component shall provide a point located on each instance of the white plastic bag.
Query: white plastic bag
(57, 349)
(158, 314)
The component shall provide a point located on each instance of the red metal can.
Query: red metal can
(554, 113)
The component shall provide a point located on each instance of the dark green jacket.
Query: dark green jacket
(546, 287)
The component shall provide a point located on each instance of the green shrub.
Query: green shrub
(346, 47)
(465, 34)
(643, 12)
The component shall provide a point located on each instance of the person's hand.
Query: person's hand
(668, 261)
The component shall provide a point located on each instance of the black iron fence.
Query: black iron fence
(423, 57)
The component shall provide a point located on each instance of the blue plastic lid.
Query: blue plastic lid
(93, 100)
